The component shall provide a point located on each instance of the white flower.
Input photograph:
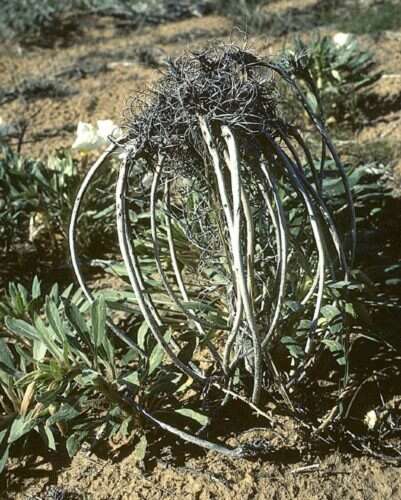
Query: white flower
(342, 39)
(90, 138)
(371, 419)
(87, 138)
(105, 128)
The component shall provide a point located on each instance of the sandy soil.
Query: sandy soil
(125, 63)
(101, 96)
(213, 477)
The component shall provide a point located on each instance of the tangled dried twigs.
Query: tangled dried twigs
(239, 179)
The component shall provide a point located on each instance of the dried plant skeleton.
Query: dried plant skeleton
(242, 182)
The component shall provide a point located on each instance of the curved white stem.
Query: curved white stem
(283, 248)
(320, 202)
(72, 230)
(75, 214)
(233, 158)
(318, 236)
(233, 223)
(133, 272)
(250, 242)
(156, 250)
(326, 139)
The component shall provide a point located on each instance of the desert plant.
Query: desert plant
(20, 302)
(335, 75)
(35, 20)
(248, 14)
(373, 18)
(34, 88)
(23, 352)
(62, 376)
(248, 194)
(111, 393)
(37, 198)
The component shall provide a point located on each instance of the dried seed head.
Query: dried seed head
(226, 85)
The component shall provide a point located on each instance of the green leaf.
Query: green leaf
(47, 338)
(349, 309)
(293, 348)
(67, 292)
(77, 321)
(5, 355)
(312, 101)
(156, 358)
(21, 425)
(157, 354)
(55, 320)
(48, 437)
(140, 449)
(109, 350)
(4, 458)
(98, 315)
(21, 328)
(333, 345)
(36, 290)
(198, 305)
(142, 332)
(65, 413)
(107, 211)
(337, 349)
(183, 387)
(74, 442)
(3, 437)
(39, 350)
(346, 285)
(133, 379)
(123, 431)
(54, 294)
(194, 415)
(330, 312)
(336, 75)
(87, 377)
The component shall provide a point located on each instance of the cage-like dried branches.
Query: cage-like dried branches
(240, 181)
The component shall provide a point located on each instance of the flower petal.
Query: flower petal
(342, 39)
(87, 138)
(105, 128)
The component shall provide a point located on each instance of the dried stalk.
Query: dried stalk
(216, 120)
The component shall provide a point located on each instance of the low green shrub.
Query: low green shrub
(64, 377)
(36, 199)
(41, 21)
(374, 18)
(336, 76)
